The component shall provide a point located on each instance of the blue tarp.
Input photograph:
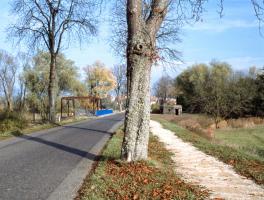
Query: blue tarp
(103, 112)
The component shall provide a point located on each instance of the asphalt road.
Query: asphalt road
(51, 164)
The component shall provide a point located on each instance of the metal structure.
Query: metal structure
(96, 103)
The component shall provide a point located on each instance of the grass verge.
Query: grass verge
(244, 163)
(152, 179)
(37, 127)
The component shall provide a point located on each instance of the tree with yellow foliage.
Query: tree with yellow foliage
(100, 79)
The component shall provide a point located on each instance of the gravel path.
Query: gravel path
(198, 168)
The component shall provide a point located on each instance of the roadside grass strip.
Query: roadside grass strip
(15, 132)
(152, 179)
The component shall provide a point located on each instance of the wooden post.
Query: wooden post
(34, 114)
(93, 105)
(68, 104)
(73, 105)
(61, 106)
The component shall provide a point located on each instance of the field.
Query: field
(243, 148)
(249, 141)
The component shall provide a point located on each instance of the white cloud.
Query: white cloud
(220, 25)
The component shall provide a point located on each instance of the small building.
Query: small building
(172, 109)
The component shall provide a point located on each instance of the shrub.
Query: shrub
(155, 108)
(257, 120)
(245, 122)
(12, 121)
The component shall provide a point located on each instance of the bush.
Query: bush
(257, 120)
(245, 122)
(12, 121)
(155, 108)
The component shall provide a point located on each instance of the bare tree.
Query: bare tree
(24, 63)
(151, 23)
(46, 23)
(8, 71)
(258, 6)
(164, 88)
(119, 72)
(168, 32)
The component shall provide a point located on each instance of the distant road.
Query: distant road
(51, 164)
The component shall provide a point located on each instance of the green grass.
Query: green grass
(152, 179)
(242, 148)
(249, 141)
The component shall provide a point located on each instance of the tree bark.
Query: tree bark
(9, 104)
(135, 143)
(8, 97)
(141, 52)
(52, 89)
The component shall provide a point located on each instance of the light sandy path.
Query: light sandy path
(198, 168)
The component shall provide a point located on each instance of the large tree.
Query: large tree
(164, 88)
(37, 80)
(149, 23)
(47, 23)
(191, 83)
(25, 62)
(215, 92)
(100, 79)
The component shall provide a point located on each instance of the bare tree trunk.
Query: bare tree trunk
(9, 104)
(52, 89)
(8, 98)
(135, 143)
(22, 96)
(141, 49)
(120, 104)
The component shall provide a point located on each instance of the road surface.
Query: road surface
(51, 164)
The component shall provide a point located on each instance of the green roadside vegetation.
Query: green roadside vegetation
(243, 148)
(15, 125)
(249, 141)
(152, 179)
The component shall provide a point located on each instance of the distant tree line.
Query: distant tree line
(216, 90)
(24, 83)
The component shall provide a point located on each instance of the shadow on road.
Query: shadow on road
(62, 147)
(69, 149)
(107, 120)
(87, 129)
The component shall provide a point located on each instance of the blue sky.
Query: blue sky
(234, 38)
